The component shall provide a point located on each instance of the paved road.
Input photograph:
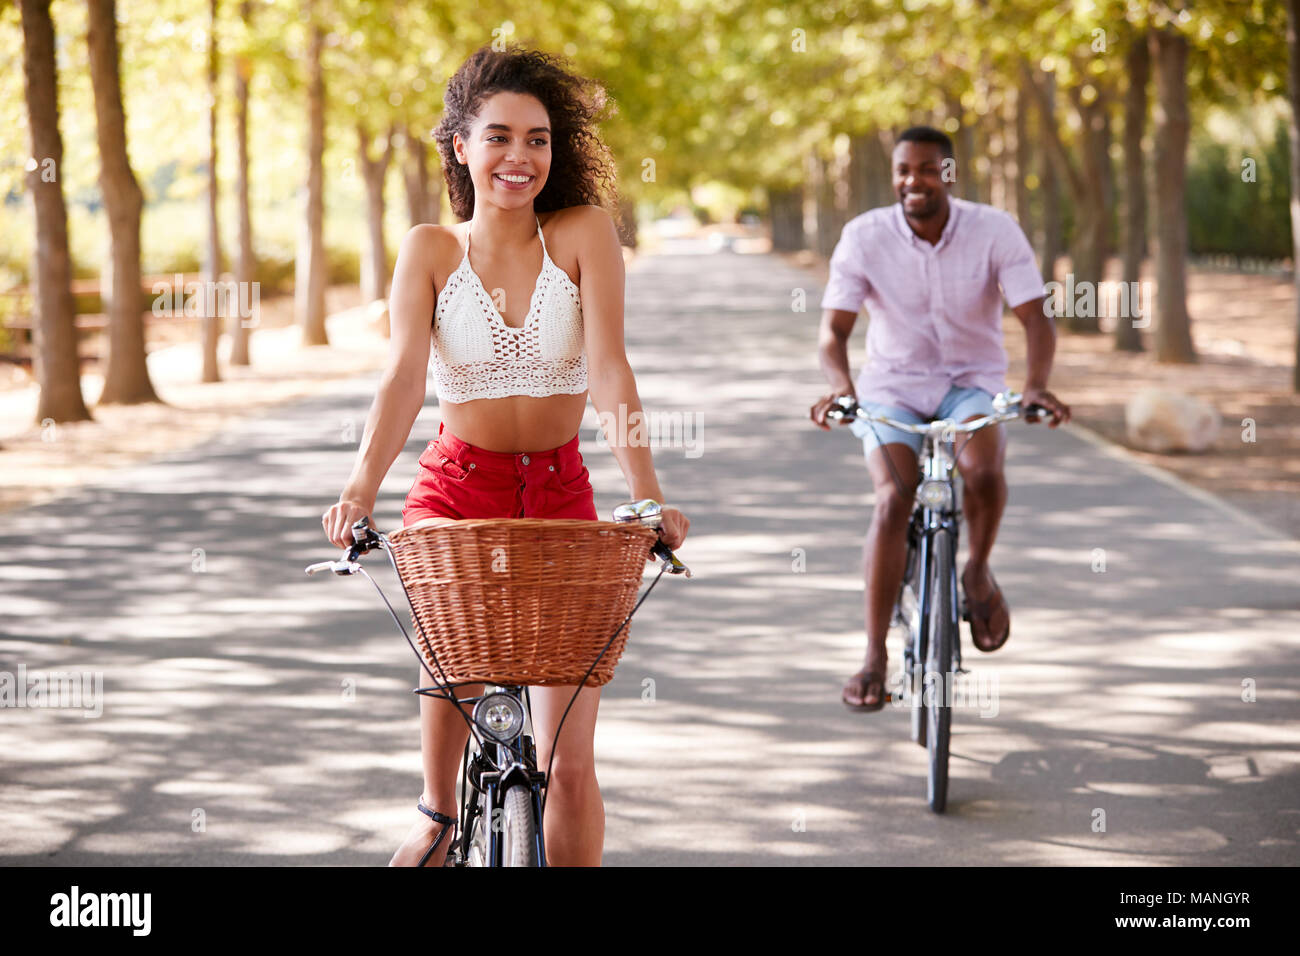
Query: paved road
(253, 715)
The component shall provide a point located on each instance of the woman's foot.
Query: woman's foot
(419, 839)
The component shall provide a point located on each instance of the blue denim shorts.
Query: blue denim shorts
(959, 404)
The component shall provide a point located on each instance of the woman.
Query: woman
(513, 366)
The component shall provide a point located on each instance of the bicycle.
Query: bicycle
(501, 825)
(928, 606)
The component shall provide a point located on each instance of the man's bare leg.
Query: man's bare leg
(883, 555)
(984, 498)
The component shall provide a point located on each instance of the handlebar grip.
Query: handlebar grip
(675, 565)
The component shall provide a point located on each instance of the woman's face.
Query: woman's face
(509, 140)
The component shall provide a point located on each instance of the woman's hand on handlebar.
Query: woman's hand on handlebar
(338, 521)
(673, 527)
(823, 405)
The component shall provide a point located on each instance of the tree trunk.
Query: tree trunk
(212, 264)
(626, 223)
(241, 327)
(1053, 227)
(1000, 176)
(964, 146)
(1023, 158)
(1137, 68)
(1088, 188)
(374, 265)
(55, 349)
(1293, 128)
(1173, 326)
(421, 202)
(126, 375)
(870, 177)
(309, 271)
(860, 147)
(785, 206)
(881, 182)
(826, 221)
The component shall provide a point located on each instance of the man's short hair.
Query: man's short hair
(927, 134)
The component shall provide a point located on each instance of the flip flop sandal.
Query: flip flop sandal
(980, 614)
(868, 679)
(437, 817)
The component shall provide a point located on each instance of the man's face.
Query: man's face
(918, 179)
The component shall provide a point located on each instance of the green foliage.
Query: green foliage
(1227, 214)
(706, 91)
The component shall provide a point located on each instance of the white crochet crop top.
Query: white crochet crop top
(476, 355)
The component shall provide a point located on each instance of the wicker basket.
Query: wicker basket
(521, 600)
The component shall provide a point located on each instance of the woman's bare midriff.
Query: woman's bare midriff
(517, 423)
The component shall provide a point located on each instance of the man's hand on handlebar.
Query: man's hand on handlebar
(823, 405)
(1060, 412)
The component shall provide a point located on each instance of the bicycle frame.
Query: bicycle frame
(936, 517)
(937, 464)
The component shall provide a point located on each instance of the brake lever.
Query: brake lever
(364, 539)
(842, 408)
(671, 561)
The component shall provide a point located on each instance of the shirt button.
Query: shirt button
(524, 459)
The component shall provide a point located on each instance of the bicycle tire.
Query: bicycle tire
(914, 656)
(518, 828)
(940, 634)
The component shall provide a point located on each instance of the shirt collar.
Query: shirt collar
(949, 228)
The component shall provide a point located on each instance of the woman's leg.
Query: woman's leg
(443, 733)
(575, 814)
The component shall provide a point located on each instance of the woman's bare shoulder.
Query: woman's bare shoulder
(436, 247)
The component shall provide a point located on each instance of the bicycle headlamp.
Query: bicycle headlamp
(499, 716)
(935, 495)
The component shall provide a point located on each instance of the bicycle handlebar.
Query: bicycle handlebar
(365, 538)
(847, 410)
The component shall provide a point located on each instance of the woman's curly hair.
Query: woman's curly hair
(582, 171)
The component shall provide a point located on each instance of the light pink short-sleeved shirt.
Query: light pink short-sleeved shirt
(935, 310)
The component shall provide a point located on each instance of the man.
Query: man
(929, 268)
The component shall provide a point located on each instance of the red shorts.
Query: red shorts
(457, 480)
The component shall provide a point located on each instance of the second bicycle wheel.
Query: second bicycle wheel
(941, 634)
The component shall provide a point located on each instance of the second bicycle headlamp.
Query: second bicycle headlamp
(935, 495)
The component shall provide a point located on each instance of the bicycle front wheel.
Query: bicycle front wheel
(519, 828)
(938, 667)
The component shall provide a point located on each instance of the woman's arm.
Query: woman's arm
(401, 390)
(609, 376)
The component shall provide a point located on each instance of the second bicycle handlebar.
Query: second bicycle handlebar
(1008, 405)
